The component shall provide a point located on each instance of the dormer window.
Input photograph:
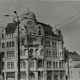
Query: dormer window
(29, 22)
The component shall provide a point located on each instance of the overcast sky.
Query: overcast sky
(50, 12)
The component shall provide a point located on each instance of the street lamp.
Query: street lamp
(18, 21)
(18, 42)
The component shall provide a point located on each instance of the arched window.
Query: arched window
(42, 42)
(39, 32)
(23, 41)
(41, 52)
(31, 52)
(36, 51)
(24, 64)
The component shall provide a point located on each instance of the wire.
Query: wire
(67, 19)
(69, 23)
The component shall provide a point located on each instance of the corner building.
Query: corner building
(41, 50)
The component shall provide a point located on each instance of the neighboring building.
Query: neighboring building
(45, 50)
(72, 65)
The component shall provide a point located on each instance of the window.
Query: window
(22, 64)
(12, 43)
(23, 40)
(42, 42)
(55, 54)
(3, 65)
(22, 53)
(2, 35)
(54, 44)
(31, 52)
(53, 64)
(10, 54)
(12, 65)
(41, 52)
(29, 22)
(39, 32)
(8, 65)
(3, 45)
(7, 44)
(48, 43)
(59, 64)
(48, 64)
(36, 51)
(31, 64)
(3, 54)
(62, 64)
(49, 53)
(40, 64)
(56, 64)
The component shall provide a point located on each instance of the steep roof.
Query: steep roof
(47, 28)
(73, 55)
(11, 27)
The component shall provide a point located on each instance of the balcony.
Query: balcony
(40, 65)
(61, 58)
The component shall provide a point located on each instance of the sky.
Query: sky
(50, 12)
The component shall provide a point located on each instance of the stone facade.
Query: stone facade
(45, 60)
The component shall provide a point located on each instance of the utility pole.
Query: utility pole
(18, 39)
(18, 43)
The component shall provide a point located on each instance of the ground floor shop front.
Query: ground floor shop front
(36, 75)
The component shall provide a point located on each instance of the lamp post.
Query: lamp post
(18, 37)
(18, 45)
(18, 21)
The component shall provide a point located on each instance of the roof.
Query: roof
(28, 15)
(11, 27)
(47, 28)
(75, 58)
(77, 66)
(73, 55)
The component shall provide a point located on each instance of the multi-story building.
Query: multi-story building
(72, 65)
(45, 49)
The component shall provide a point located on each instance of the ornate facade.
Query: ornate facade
(41, 50)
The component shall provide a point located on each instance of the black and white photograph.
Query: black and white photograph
(39, 39)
